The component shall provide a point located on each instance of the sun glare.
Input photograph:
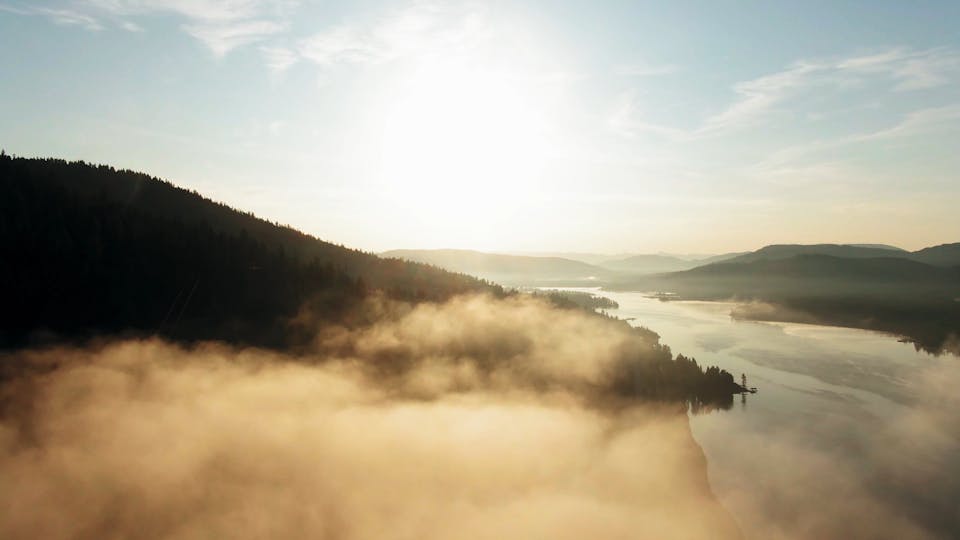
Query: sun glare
(462, 142)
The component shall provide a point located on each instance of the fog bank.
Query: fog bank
(474, 419)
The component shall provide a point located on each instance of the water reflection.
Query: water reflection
(720, 403)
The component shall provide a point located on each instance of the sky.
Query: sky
(614, 126)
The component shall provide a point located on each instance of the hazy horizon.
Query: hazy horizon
(676, 254)
(631, 127)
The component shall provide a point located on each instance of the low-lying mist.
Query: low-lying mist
(900, 479)
(473, 419)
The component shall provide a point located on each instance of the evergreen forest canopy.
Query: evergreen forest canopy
(95, 252)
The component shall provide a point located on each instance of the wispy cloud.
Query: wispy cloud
(411, 31)
(626, 119)
(342, 44)
(61, 16)
(758, 96)
(898, 70)
(910, 70)
(68, 17)
(279, 59)
(913, 124)
(221, 25)
(200, 10)
(130, 26)
(221, 38)
(777, 95)
(917, 123)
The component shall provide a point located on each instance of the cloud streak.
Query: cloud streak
(222, 38)
(221, 25)
(775, 95)
(900, 69)
(422, 28)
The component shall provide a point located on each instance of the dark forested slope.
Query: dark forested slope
(89, 250)
(135, 192)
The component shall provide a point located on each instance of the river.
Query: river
(851, 433)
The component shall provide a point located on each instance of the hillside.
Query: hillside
(825, 267)
(95, 250)
(507, 269)
(140, 193)
(783, 251)
(595, 259)
(891, 294)
(880, 246)
(805, 275)
(720, 258)
(942, 255)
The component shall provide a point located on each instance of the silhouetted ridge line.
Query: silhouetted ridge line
(91, 250)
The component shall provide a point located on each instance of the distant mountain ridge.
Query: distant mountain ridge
(878, 246)
(660, 263)
(942, 255)
(505, 269)
(650, 264)
(783, 251)
(545, 269)
(813, 266)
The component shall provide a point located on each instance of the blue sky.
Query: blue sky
(538, 125)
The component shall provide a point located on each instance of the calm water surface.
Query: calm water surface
(849, 427)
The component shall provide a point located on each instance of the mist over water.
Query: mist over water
(851, 435)
(479, 419)
(475, 419)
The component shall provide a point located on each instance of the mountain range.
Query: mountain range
(539, 270)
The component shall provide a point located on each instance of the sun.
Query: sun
(462, 142)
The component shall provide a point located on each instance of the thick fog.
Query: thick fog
(473, 419)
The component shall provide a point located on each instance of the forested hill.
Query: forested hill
(945, 255)
(90, 249)
(891, 294)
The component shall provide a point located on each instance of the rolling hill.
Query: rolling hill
(942, 255)
(650, 264)
(784, 251)
(891, 294)
(511, 270)
(818, 276)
